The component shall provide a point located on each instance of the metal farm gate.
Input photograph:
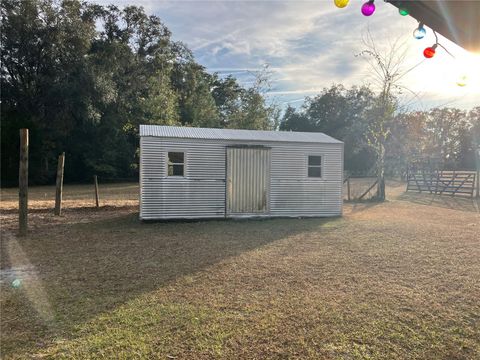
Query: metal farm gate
(442, 182)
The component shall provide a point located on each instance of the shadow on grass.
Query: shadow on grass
(362, 205)
(85, 269)
(443, 201)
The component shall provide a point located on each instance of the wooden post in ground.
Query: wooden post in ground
(23, 184)
(477, 193)
(95, 179)
(348, 188)
(59, 190)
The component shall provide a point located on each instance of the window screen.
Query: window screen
(314, 166)
(176, 163)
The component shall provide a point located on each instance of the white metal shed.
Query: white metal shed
(190, 173)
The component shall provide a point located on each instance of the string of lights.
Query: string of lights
(368, 8)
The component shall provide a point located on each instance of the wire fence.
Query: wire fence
(108, 192)
(359, 188)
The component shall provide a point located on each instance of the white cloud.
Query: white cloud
(309, 44)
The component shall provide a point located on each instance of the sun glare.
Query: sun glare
(469, 71)
(451, 76)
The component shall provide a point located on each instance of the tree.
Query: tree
(294, 120)
(83, 77)
(245, 108)
(448, 138)
(227, 94)
(341, 113)
(197, 104)
(406, 143)
(45, 84)
(474, 119)
(161, 104)
(442, 138)
(388, 70)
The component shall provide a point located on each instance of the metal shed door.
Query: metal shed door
(248, 180)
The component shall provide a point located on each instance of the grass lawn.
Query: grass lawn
(397, 280)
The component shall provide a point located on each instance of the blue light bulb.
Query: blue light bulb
(419, 33)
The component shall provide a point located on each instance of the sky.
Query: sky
(310, 45)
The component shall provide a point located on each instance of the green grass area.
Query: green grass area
(395, 280)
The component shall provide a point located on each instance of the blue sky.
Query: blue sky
(312, 44)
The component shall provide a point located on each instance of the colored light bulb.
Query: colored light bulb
(368, 8)
(419, 33)
(429, 52)
(403, 11)
(341, 3)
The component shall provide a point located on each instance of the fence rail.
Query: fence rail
(442, 182)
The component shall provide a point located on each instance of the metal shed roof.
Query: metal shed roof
(236, 135)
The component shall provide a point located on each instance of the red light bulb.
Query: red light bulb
(429, 52)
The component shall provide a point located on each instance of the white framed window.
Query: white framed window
(176, 163)
(314, 166)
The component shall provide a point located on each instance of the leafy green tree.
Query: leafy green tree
(252, 111)
(294, 120)
(406, 144)
(447, 140)
(161, 104)
(197, 104)
(442, 138)
(45, 84)
(83, 77)
(340, 113)
(227, 94)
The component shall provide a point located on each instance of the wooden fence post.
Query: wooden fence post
(95, 179)
(478, 184)
(59, 190)
(477, 150)
(23, 184)
(348, 188)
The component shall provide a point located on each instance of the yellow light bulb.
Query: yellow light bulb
(462, 80)
(341, 3)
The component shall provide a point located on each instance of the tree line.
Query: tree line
(82, 77)
(440, 138)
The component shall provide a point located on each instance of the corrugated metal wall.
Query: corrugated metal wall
(201, 193)
(248, 180)
(293, 193)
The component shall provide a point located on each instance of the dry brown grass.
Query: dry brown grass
(395, 280)
(74, 196)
